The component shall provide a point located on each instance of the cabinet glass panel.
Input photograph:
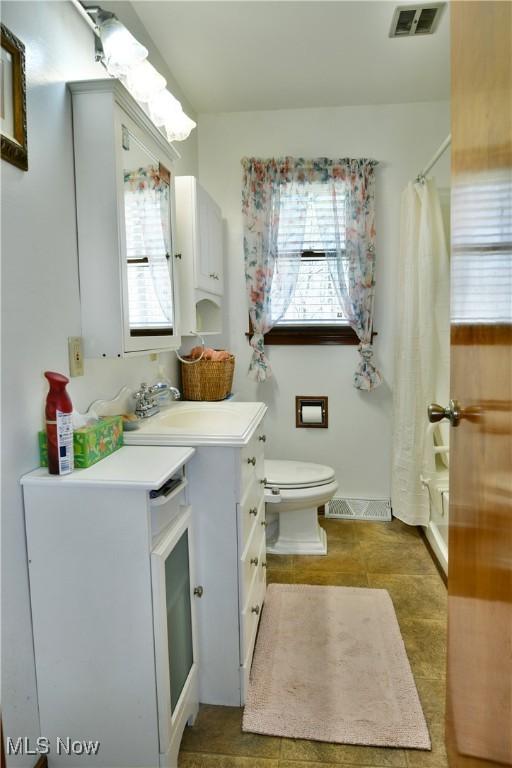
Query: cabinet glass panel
(179, 618)
(147, 210)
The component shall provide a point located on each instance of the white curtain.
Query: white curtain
(422, 342)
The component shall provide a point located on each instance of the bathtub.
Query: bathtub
(435, 479)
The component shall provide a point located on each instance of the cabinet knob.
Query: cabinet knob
(263, 438)
(253, 511)
(213, 275)
(264, 523)
(252, 461)
(263, 565)
(263, 481)
(198, 591)
(255, 609)
(254, 561)
(177, 255)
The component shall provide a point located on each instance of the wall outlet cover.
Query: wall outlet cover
(76, 356)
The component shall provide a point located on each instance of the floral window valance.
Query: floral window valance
(146, 178)
(350, 180)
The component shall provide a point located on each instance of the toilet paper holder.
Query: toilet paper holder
(319, 402)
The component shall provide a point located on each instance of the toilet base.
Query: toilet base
(299, 534)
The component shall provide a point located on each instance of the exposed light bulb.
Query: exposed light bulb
(120, 48)
(144, 82)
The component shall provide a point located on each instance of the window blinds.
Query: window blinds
(482, 248)
(149, 284)
(312, 232)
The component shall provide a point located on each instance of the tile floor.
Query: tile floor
(385, 555)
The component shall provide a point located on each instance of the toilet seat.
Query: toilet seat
(296, 474)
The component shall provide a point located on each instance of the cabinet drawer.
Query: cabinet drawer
(249, 510)
(252, 462)
(253, 556)
(166, 507)
(250, 618)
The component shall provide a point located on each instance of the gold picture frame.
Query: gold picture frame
(13, 100)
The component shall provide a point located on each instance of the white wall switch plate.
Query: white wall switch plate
(76, 356)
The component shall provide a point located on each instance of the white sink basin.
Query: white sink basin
(199, 423)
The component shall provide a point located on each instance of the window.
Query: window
(311, 243)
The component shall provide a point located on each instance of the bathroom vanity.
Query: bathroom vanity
(113, 595)
(226, 491)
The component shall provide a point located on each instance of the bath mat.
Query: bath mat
(330, 665)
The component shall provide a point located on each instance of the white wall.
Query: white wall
(40, 308)
(402, 138)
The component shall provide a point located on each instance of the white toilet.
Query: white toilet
(295, 490)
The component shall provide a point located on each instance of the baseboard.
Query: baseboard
(433, 555)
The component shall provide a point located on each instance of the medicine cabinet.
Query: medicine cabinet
(126, 224)
(200, 245)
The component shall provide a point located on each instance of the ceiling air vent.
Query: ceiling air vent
(415, 19)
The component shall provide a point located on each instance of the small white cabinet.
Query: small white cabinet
(126, 224)
(200, 244)
(111, 565)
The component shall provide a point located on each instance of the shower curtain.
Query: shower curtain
(422, 341)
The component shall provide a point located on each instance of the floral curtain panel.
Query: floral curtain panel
(352, 184)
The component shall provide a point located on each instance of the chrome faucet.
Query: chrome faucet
(146, 399)
(162, 390)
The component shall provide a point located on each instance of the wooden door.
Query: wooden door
(479, 682)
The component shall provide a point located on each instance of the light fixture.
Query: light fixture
(162, 106)
(166, 112)
(179, 127)
(126, 59)
(121, 50)
(144, 82)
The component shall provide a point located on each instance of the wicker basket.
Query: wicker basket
(207, 379)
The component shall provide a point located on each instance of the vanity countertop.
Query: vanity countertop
(187, 423)
(144, 467)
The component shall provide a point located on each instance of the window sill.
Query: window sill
(310, 335)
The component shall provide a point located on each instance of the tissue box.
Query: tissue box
(91, 443)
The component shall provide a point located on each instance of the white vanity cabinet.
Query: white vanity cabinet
(126, 224)
(226, 490)
(111, 565)
(227, 493)
(200, 245)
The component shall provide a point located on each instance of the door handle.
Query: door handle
(453, 412)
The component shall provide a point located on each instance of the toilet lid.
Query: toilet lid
(297, 474)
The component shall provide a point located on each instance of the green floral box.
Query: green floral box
(91, 443)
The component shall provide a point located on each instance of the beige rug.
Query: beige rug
(330, 665)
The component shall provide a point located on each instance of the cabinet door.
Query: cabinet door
(147, 231)
(203, 279)
(216, 250)
(174, 621)
(209, 257)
